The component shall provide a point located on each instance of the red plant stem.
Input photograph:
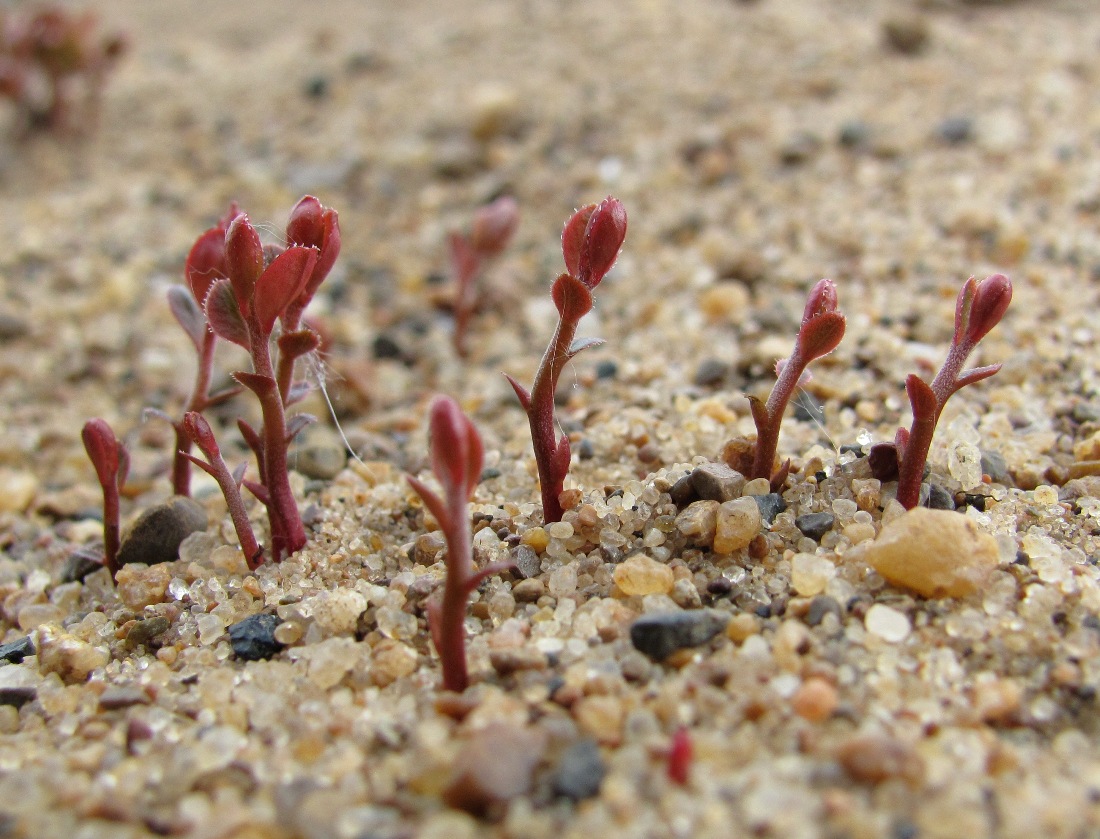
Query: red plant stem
(285, 376)
(250, 547)
(451, 643)
(767, 434)
(111, 530)
(181, 466)
(540, 414)
(287, 532)
(465, 301)
(912, 460)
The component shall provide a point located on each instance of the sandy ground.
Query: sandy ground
(895, 147)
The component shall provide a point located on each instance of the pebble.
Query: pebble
(337, 612)
(18, 685)
(139, 586)
(741, 626)
(710, 373)
(757, 487)
(956, 129)
(642, 575)
(536, 539)
(939, 498)
(770, 506)
(142, 632)
(508, 660)
(906, 34)
(699, 522)
(815, 700)
(15, 651)
(156, 534)
(726, 302)
(601, 716)
(529, 591)
(887, 623)
(390, 661)
(322, 462)
(79, 565)
(815, 525)
(493, 766)
(810, 574)
(874, 758)
(935, 553)
(116, 698)
(17, 490)
(70, 657)
(717, 482)
(737, 524)
(821, 606)
(525, 561)
(253, 639)
(579, 771)
(563, 581)
(799, 148)
(661, 634)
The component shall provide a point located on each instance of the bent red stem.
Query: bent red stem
(181, 466)
(767, 427)
(540, 414)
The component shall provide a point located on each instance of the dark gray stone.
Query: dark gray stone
(994, 465)
(710, 373)
(15, 651)
(145, 631)
(580, 771)
(815, 525)
(821, 606)
(79, 565)
(683, 492)
(527, 562)
(939, 498)
(253, 638)
(956, 129)
(660, 635)
(717, 482)
(157, 533)
(771, 505)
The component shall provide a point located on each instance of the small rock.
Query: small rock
(495, 765)
(994, 465)
(70, 657)
(815, 525)
(496, 110)
(683, 491)
(124, 696)
(770, 506)
(601, 716)
(886, 623)
(874, 758)
(810, 573)
(906, 34)
(660, 635)
(390, 661)
(815, 700)
(710, 373)
(536, 539)
(156, 535)
(526, 562)
(145, 631)
(458, 157)
(936, 553)
(17, 490)
(717, 482)
(508, 660)
(337, 612)
(854, 134)
(939, 498)
(641, 575)
(18, 685)
(322, 462)
(528, 591)
(253, 638)
(15, 651)
(79, 565)
(821, 606)
(606, 369)
(139, 586)
(956, 130)
(580, 771)
(738, 523)
(798, 148)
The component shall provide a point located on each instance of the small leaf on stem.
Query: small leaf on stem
(572, 298)
(572, 237)
(187, 314)
(244, 260)
(201, 434)
(579, 345)
(281, 283)
(923, 399)
(206, 262)
(521, 392)
(224, 315)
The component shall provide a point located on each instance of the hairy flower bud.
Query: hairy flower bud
(494, 225)
(991, 299)
(244, 257)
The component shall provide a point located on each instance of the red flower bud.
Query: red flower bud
(103, 450)
(457, 450)
(494, 225)
(312, 224)
(603, 238)
(244, 257)
(990, 303)
(822, 325)
(822, 298)
(572, 237)
(206, 263)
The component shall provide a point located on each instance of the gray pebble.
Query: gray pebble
(527, 562)
(157, 533)
(15, 651)
(660, 635)
(815, 525)
(994, 465)
(717, 482)
(253, 638)
(821, 606)
(939, 498)
(124, 696)
(580, 771)
(145, 631)
(956, 130)
(79, 565)
(321, 462)
(771, 504)
(710, 373)
(683, 491)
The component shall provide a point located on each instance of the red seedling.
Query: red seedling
(820, 333)
(261, 287)
(980, 307)
(111, 462)
(456, 462)
(493, 227)
(205, 264)
(198, 430)
(44, 57)
(590, 243)
(680, 755)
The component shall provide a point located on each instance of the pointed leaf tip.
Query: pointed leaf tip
(603, 239)
(991, 300)
(281, 283)
(572, 237)
(224, 314)
(244, 259)
(103, 449)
